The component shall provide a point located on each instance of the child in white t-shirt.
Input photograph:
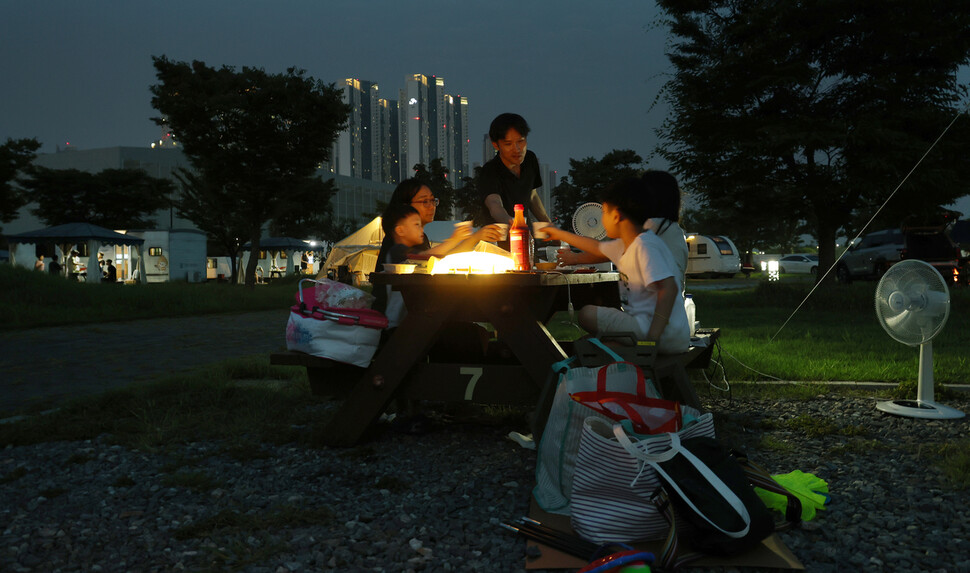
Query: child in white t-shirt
(650, 281)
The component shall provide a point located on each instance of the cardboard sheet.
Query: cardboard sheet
(772, 553)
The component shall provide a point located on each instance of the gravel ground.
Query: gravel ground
(432, 502)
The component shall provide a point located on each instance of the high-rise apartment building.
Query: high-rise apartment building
(357, 150)
(385, 138)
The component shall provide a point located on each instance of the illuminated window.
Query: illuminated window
(155, 251)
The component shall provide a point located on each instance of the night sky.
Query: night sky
(582, 73)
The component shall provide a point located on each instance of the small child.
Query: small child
(650, 281)
(403, 224)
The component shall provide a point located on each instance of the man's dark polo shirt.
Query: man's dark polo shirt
(496, 178)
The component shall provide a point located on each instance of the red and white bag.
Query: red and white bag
(348, 335)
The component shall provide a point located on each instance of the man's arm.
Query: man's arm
(537, 209)
(493, 202)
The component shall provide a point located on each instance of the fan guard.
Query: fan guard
(588, 221)
(912, 304)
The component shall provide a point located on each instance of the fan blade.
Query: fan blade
(900, 322)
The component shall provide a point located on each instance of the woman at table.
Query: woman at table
(418, 195)
(466, 341)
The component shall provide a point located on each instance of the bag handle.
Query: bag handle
(641, 379)
(676, 448)
(607, 349)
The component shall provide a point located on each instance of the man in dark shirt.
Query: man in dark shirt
(512, 176)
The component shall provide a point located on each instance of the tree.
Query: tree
(112, 198)
(469, 203)
(15, 156)
(588, 177)
(814, 111)
(254, 139)
(436, 178)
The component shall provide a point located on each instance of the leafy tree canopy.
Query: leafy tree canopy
(112, 198)
(588, 177)
(15, 156)
(469, 204)
(254, 139)
(816, 110)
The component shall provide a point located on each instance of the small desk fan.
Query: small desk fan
(588, 221)
(912, 304)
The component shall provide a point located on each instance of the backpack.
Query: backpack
(707, 496)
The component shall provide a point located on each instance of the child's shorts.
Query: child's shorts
(610, 319)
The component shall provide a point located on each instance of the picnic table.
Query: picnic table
(516, 305)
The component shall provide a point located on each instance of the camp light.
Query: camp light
(772, 270)
(472, 262)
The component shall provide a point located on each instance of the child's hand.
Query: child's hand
(463, 230)
(555, 233)
(567, 257)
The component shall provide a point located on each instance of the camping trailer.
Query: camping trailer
(173, 255)
(712, 256)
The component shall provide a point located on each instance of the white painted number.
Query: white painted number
(476, 373)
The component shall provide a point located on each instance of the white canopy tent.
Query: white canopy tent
(68, 235)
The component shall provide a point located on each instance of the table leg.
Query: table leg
(377, 387)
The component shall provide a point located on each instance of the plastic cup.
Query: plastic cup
(504, 230)
(537, 231)
(463, 225)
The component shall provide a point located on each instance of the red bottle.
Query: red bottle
(519, 239)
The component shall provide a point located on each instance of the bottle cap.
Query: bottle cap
(519, 207)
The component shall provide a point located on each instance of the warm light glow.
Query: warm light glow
(472, 262)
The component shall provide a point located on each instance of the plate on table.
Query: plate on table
(400, 269)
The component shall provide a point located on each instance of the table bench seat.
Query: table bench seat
(327, 377)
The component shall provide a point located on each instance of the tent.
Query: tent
(359, 250)
(289, 245)
(70, 234)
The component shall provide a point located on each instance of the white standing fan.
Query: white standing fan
(588, 221)
(912, 304)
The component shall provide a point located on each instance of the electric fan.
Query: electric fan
(912, 304)
(588, 221)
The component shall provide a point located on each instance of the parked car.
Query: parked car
(878, 251)
(796, 264)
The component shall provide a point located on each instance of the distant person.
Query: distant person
(75, 266)
(662, 197)
(650, 284)
(110, 272)
(54, 267)
(512, 177)
(39, 265)
(304, 262)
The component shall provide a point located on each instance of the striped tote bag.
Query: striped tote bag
(612, 490)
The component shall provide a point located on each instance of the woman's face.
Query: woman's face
(424, 202)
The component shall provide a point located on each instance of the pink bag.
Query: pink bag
(342, 334)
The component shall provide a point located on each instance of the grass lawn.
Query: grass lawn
(34, 299)
(767, 331)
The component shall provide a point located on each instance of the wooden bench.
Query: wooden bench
(327, 377)
(668, 371)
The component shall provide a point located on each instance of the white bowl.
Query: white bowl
(399, 269)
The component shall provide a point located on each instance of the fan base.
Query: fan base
(919, 409)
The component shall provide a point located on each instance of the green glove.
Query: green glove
(808, 488)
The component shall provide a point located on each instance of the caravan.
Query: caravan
(712, 256)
